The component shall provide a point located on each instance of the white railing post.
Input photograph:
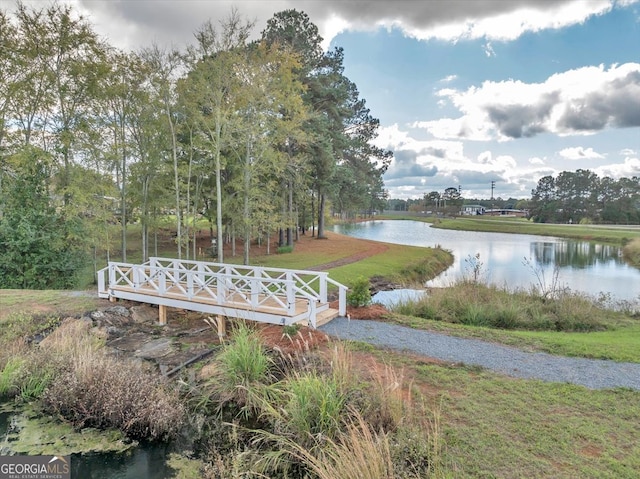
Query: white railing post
(201, 273)
(112, 275)
(322, 280)
(162, 281)
(255, 287)
(135, 276)
(342, 300)
(312, 313)
(101, 282)
(291, 296)
(221, 280)
(189, 284)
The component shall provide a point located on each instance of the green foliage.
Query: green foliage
(476, 304)
(35, 385)
(39, 247)
(313, 406)
(359, 293)
(284, 249)
(9, 378)
(290, 330)
(241, 370)
(581, 196)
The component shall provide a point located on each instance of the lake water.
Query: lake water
(514, 260)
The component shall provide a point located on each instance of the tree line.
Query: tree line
(582, 196)
(579, 196)
(258, 137)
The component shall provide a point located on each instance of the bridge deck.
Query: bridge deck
(269, 295)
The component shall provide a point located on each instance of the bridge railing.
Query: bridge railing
(223, 284)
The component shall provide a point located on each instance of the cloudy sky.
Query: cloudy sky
(467, 91)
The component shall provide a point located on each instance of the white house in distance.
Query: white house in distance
(473, 210)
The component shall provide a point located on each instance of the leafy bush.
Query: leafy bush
(285, 249)
(359, 294)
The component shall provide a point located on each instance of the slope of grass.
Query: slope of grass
(499, 427)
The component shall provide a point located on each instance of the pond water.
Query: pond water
(514, 260)
(146, 461)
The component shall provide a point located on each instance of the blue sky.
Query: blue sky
(467, 91)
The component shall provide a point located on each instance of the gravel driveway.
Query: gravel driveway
(591, 373)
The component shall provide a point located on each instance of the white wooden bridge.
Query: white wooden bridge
(268, 295)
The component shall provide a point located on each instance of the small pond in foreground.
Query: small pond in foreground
(514, 260)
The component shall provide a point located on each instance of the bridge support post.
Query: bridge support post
(222, 327)
(162, 315)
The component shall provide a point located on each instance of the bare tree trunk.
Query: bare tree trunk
(321, 203)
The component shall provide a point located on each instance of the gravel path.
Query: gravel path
(591, 373)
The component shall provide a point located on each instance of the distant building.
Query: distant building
(469, 210)
(507, 212)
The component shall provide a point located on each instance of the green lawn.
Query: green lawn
(621, 344)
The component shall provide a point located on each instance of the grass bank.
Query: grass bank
(495, 426)
(631, 252)
(347, 259)
(617, 234)
(566, 323)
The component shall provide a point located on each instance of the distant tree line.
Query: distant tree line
(260, 138)
(582, 196)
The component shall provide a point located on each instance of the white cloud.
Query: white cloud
(576, 102)
(491, 20)
(627, 169)
(628, 152)
(488, 50)
(449, 78)
(579, 153)
(536, 161)
(133, 24)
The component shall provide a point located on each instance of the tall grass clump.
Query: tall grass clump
(477, 304)
(312, 407)
(239, 373)
(9, 378)
(358, 451)
(91, 389)
(387, 401)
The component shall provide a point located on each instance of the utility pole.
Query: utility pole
(493, 186)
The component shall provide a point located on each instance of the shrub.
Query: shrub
(359, 294)
(285, 249)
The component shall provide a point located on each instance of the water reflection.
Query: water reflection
(514, 260)
(578, 254)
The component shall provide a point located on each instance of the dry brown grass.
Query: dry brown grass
(93, 389)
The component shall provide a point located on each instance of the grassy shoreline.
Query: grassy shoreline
(600, 233)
